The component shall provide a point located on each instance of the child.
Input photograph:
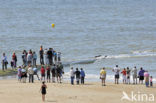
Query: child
(42, 73)
(19, 73)
(23, 75)
(43, 91)
(151, 82)
(146, 75)
(124, 75)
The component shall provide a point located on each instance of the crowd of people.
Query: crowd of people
(47, 57)
(48, 73)
(79, 74)
(127, 73)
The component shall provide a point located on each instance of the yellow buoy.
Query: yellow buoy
(53, 25)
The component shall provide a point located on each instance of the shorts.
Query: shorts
(117, 76)
(141, 78)
(43, 75)
(103, 77)
(43, 92)
(128, 77)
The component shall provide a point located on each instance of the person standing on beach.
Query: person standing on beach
(141, 75)
(14, 58)
(117, 75)
(31, 74)
(72, 75)
(77, 72)
(53, 71)
(50, 56)
(42, 73)
(151, 81)
(36, 72)
(43, 91)
(55, 57)
(124, 76)
(134, 73)
(46, 57)
(41, 52)
(4, 62)
(146, 75)
(34, 58)
(24, 57)
(103, 76)
(128, 75)
(48, 74)
(58, 74)
(59, 56)
(19, 73)
(12, 64)
(24, 75)
(29, 58)
(82, 74)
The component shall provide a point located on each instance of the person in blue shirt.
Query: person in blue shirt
(82, 74)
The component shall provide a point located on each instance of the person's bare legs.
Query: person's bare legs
(43, 98)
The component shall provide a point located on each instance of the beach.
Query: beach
(11, 91)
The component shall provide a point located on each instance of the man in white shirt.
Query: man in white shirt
(72, 75)
(134, 73)
(31, 74)
(116, 70)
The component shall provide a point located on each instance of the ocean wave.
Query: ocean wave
(86, 61)
(133, 55)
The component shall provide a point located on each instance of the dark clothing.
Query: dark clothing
(41, 57)
(77, 74)
(141, 77)
(58, 71)
(53, 71)
(151, 84)
(31, 78)
(50, 57)
(117, 76)
(24, 75)
(4, 65)
(72, 80)
(41, 60)
(43, 90)
(82, 80)
(48, 76)
(48, 73)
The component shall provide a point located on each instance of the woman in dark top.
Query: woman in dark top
(43, 90)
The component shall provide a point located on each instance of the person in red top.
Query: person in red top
(14, 59)
(42, 73)
(124, 75)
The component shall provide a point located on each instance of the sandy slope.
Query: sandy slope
(12, 91)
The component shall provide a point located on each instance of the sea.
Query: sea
(122, 32)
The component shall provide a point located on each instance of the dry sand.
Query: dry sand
(12, 91)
